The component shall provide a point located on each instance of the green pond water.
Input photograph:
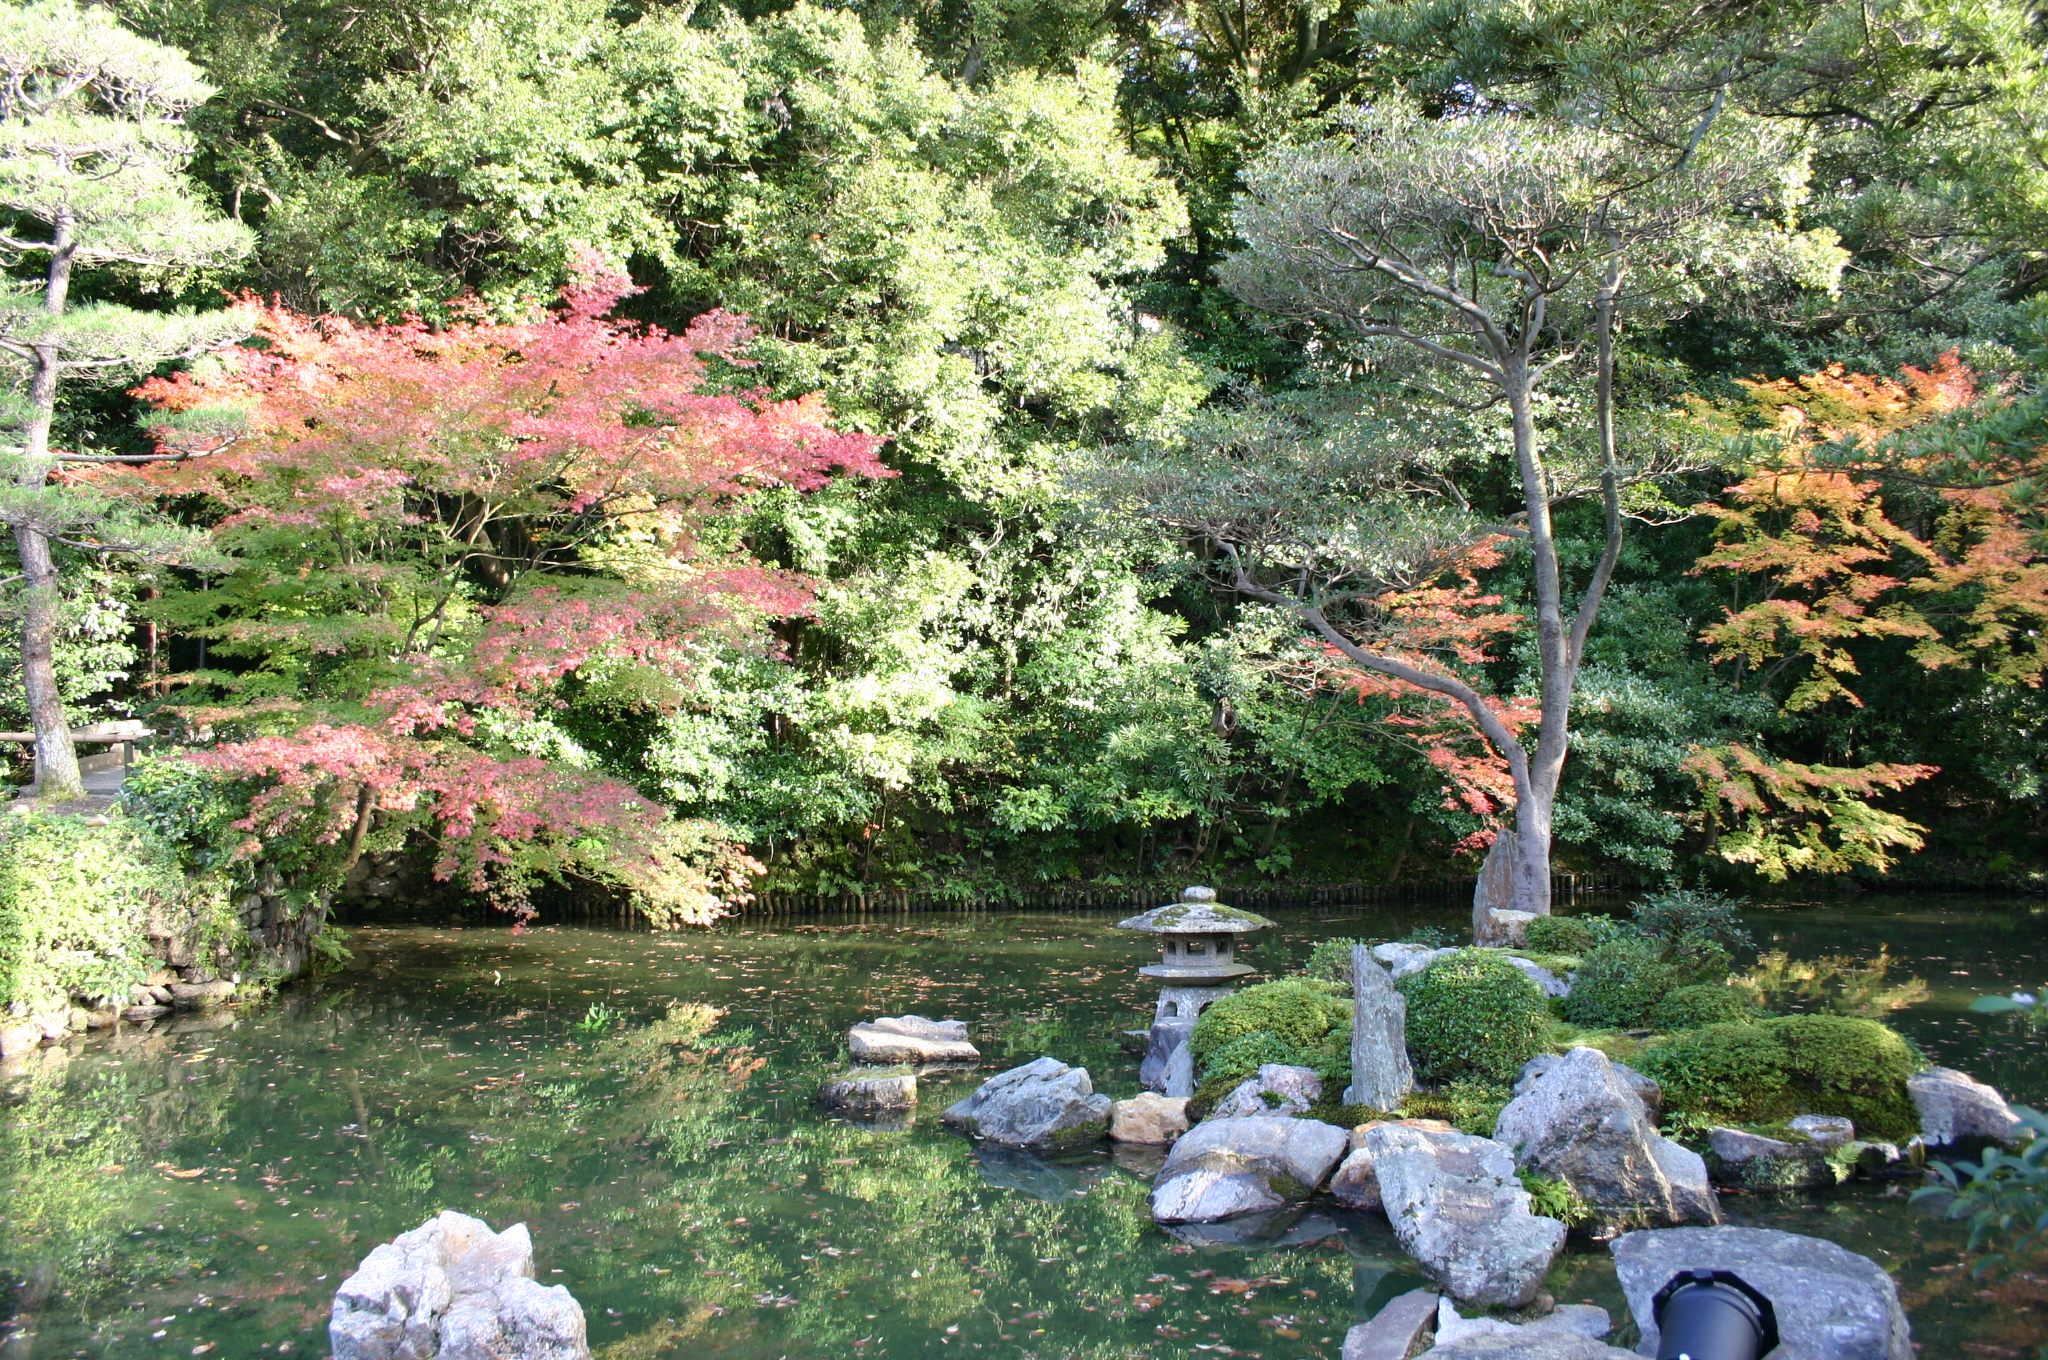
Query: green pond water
(201, 1189)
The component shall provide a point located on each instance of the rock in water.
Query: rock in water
(1571, 1319)
(1278, 1089)
(911, 1039)
(1738, 1157)
(1582, 1122)
(1148, 1118)
(1224, 1167)
(1380, 1075)
(1044, 1103)
(1162, 1042)
(1955, 1106)
(1395, 1330)
(858, 1091)
(1459, 1208)
(1831, 1303)
(1354, 1184)
(454, 1290)
(200, 994)
(1525, 1346)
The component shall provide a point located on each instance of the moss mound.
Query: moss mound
(1296, 1012)
(1241, 1058)
(1473, 1016)
(1702, 1003)
(1752, 1073)
(1620, 983)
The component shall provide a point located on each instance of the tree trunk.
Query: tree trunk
(57, 775)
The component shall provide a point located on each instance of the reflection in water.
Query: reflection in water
(208, 1184)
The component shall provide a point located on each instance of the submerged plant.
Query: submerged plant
(1835, 982)
(598, 1019)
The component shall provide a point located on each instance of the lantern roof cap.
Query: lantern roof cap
(1197, 913)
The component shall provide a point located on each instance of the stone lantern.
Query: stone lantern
(1198, 962)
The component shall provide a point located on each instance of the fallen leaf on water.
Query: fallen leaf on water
(170, 1170)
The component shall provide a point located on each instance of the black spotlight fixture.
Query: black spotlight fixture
(1713, 1315)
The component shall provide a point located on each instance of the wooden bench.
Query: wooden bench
(123, 733)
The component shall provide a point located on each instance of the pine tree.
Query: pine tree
(93, 148)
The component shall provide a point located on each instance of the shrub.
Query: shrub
(1473, 1014)
(1701, 1003)
(1619, 983)
(1672, 915)
(1852, 1067)
(1294, 1010)
(1330, 962)
(1241, 1058)
(1552, 1198)
(1793, 1064)
(1560, 935)
(73, 901)
(1733, 1072)
(1436, 937)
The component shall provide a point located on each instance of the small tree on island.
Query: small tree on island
(1498, 253)
(92, 158)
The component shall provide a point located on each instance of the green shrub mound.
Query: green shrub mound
(1293, 1010)
(1753, 1073)
(1241, 1058)
(74, 899)
(1330, 962)
(1473, 1015)
(1620, 983)
(1701, 1003)
(1560, 935)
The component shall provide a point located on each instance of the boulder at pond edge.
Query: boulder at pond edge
(1225, 1167)
(1044, 1103)
(453, 1289)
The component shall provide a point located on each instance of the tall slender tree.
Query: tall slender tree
(1499, 251)
(93, 149)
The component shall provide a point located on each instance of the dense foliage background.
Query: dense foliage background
(988, 234)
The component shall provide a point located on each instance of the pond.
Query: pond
(202, 1189)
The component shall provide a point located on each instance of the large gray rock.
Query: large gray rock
(861, 1092)
(1526, 1346)
(1354, 1184)
(1381, 1076)
(1402, 959)
(1757, 1162)
(1459, 1209)
(1571, 1319)
(1279, 1088)
(1494, 921)
(1164, 1042)
(1582, 1122)
(1396, 1331)
(454, 1290)
(911, 1039)
(1652, 1094)
(1955, 1106)
(1044, 1103)
(1551, 983)
(1225, 1167)
(1831, 1303)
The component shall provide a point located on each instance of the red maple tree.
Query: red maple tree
(469, 514)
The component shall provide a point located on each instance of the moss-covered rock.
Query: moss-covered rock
(1753, 1073)
(1559, 935)
(1473, 1015)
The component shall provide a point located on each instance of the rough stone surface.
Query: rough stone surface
(1354, 1184)
(1397, 1331)
(1571, 1319)
(1646, 1087)
(1737, 1157)
(1551, 983)
(1148, 1118)
(137, 1014)
(1044, 1103)
(1523, 1345)
(1459, 1209)
(1494, 892)
(911, 1039)
(1831, 1303)
(1401, 959)
(1955, 1106)
(1825, 1130)
(19, 1039)
(1582, 1122)
(196, 994)
(1279, 1088)
(1165, 1041)
(1381, 1076)
(856, 1092)
(455, 1290)
(1225, 1167)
